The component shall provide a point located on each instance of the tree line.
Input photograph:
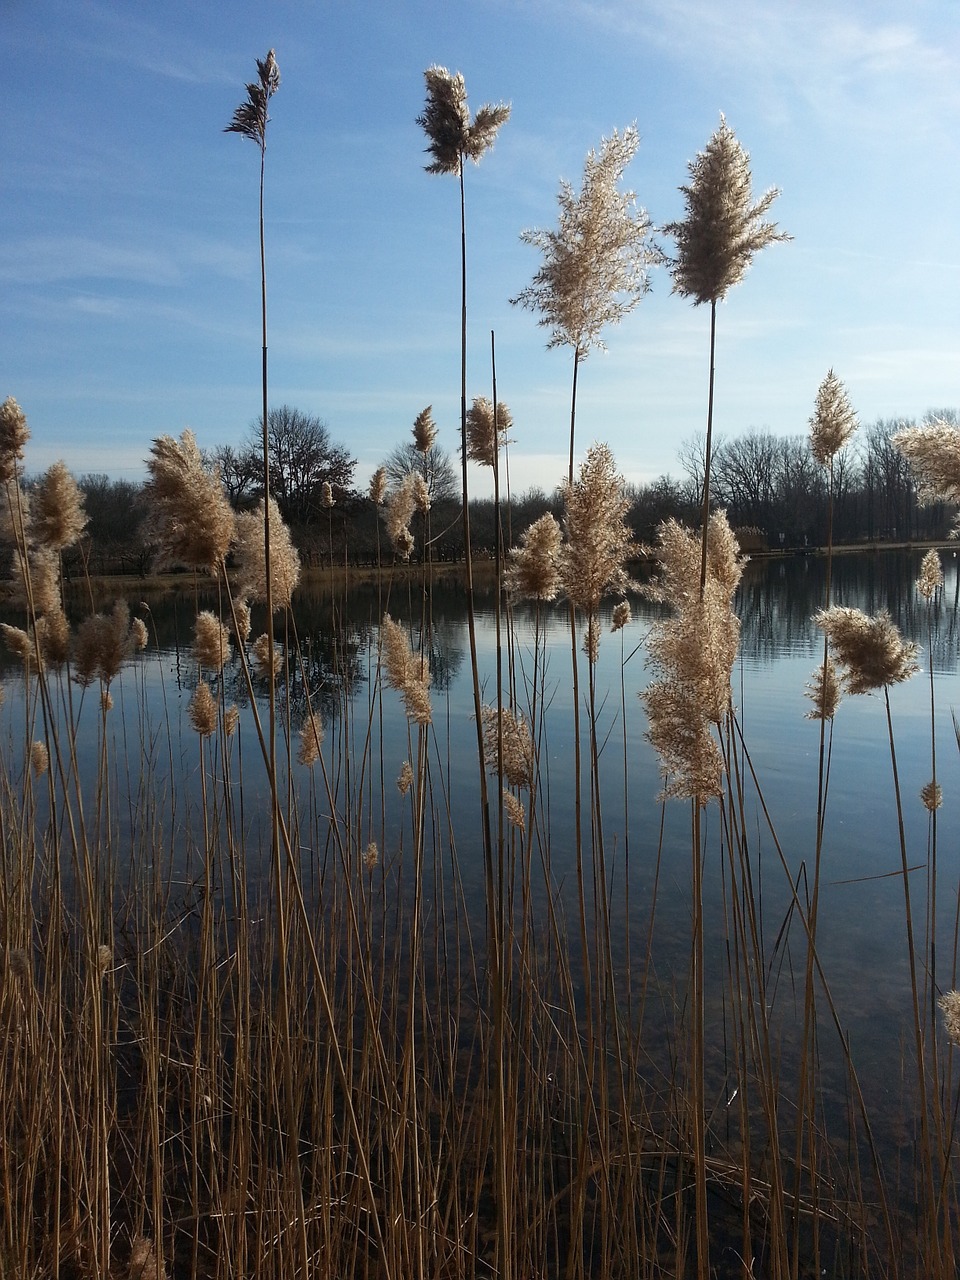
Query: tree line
(770, 485)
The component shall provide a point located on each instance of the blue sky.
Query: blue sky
(128, 224)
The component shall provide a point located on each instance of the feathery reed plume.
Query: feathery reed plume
(14, 515)
(251, 558)
(512, 729)
(39, 759)
(103, 642)
(949, 1004)
(267, 655)
(371, 856)
(723, 229)
(513, 808)
(407, 672)
(144, 1263)
(398, 512)
(326, 494)
(451, 135)
(487, 430)
(622, 617)
(598, 542)
(231, 718)
(203, 710)
(311, 736)
(211, 641)
(420, 491)
(834, 419)
(424, 430)
(241, 620)
(14, 434)
(250, 118)
(19, 642)
(138, 633)
(596, 263)
(405, 778)
(931, 575)
(190, 517)
(933, 452)
(35, 579)
(53, 631)
(58, 518)
(104, 958)
(106, 701)
(378, 486)
(823, 691)
(693, 652)
(533, 571)
(872, 651)
(931, 796)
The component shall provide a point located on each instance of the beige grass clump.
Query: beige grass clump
(39, 758)
(267, 657)
(34, 582)
(190, 517)
(231, 719)
(14, 434)
(834, 419)
(949, 1004)
(211, 641)
(487, 430)
(326, 495)
(424, 430)
(251, 562)
(104, 958)
(513, 808)
(824, 691)
(931, 796)
(378, 486)
(933, 452)
(398, 512)
(138, 633)
(596, 263)
(202, 710)
(871, 651)
(622, 616)
(371, 856)
(106, 701)
(598, 542)
(103, 643)
(311, 737)
(533, 570)
(19, 642)
(406, 671)
(421, 493)
(451, 135)
(405, 778)
(692, 651)
(241, 620)
(931, 575)
(723, 229)
(58, 517)
(53, 631)
(517, 744)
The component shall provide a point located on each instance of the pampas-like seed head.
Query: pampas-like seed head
(834, 419)
(723, 229)
(106, 701)
(39, 759)
(512, 728)
(622, 616)
(34, 582)
(371, 856)
(424, 430)
(949, 1004)
(824, 691)
(487, 430)
(421, 493)
(451, 135)
(250, 118)
(102, 644)
(872, 651)
(596, 264)
(138, 634)
(407, 672)
(14, 434)
(405, 778)
(400, 506)
(211, 641)
(104, 958)
(190, 517)
(931, 796)
(267, 658)
(241, 620)
(53, 631)
(19, 642)
(591, 638)
(231, 718)
(203, 710)
(326, 494)
(931, 575)
(933, 452)
(311, 736)
(144, 1262)
(533, 571)
(378, 486)
(598, 543)
(251, 558)
(513, 808)
(58, 518)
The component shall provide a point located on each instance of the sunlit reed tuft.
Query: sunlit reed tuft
(834, 419)
(268, 657)
(424, 430)
(824, 691)
(39, 759)
(533, 571)
(250, 118)
(510, 727)
(190, 518)
(398, 512)
(513, 808)
(103, 642)
(933, 452)
(405, 671)
(378, 486)
(311, 737)
(405, 778)
(931, 796)
(251, 558)
(486, 431)
(211, 642)
(326, 495)
(451, 135)
(371, 856)
(14, 434)
(203, 710)
(871, 650)
(622, 616)
(598, 541)
(930, 579)
(58, 517)
(949, 1004)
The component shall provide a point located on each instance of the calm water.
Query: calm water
(862, 936)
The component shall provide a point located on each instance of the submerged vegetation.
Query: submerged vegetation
(293, 1047)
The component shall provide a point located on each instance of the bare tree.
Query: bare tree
(303, 457)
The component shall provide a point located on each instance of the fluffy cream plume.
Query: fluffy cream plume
(424, 430)
(834, 419)
(138, 633)
(106, 701)
(251, 561)
(104, 958)
(598, 542)
(406, 671)
(14, 515)
(513, 808)
(311, 736)
(931, 575)
(931, 796)
(371, 856)
(267, 657)
(596, 263)
(824, 692)
(871, 651)
(53, 631)
(103, 642)
(190, 517)
(398, 512)
(591, 638)
(211, 641)
(405, 778)
(203, 710)
(421, 493)
(933, 452)
(949, 1004)
(231, 718)
(34, 582)
(486, 430)
(451, 135)
(326, 495)
(692, 652)
(241, 620)
(250, 118)
(39, 758)
(19, 642)
(622, 617)
(14, 434)
(533, 571)
(723, 229)
(378, 486)
(58, 517)
(517, 744)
